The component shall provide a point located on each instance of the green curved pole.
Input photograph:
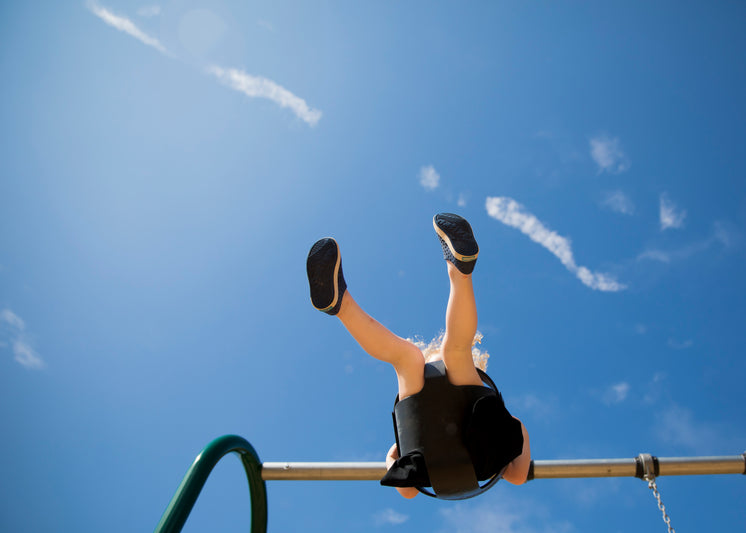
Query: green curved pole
(178, 510)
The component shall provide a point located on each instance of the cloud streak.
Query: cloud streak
(617, 393)
(504, 514)
(608, 155)
(390, 517)
(618, 202)
(677, 426)
(13, 320)
(680, 345)
(721, 235)
(429, 178)
(251, 86)
(543, 408)
(513, 214)
(670, 215)
(13, 333)
(127, 26)
(259, 87)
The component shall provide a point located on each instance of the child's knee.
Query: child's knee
(410, 371)
(414, 360)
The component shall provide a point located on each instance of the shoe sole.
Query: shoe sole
(320, 292)
(464, 258)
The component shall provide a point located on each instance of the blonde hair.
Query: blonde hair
(430, 349)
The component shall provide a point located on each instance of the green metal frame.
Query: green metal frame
(181, 505)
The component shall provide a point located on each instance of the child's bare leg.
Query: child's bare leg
(382, 344)
(461, 326)
(517, 471)
(329, 294)
(460, 249)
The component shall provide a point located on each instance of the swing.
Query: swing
(449, 438)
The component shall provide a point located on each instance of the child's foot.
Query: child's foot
(324, 268)
(457, 240)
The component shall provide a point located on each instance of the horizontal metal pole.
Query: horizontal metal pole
(585, 468)
(683, 466)
(554, 469)
(323, 471)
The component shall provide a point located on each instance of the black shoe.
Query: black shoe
(457, 240)
(324, 268)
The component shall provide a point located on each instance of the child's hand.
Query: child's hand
(391, 457)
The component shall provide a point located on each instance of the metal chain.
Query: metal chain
(652, 486)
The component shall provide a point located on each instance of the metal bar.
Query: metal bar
(576, 468)
(584, 468)
(691, 466)
(181, 505)
(323, 471)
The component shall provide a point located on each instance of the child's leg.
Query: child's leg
(517, 471)
(460, 249)
(461, 326)
(382, 344)
(329, 294)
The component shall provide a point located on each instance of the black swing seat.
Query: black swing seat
(451, 437)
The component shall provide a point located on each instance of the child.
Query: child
(329, 294)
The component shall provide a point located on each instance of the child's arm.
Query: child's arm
(517, 471)
(393, 455)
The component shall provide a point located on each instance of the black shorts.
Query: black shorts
(493, 437)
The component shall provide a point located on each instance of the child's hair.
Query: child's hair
(433, 347)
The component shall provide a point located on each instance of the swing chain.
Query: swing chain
(654, 488)
(649, 476)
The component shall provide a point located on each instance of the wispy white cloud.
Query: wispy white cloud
(722, 235)
(726, 234)
(127, 26)
(12, 319)
(670, 214)
(618, 202)
(678, 254)
(463, 518)
(13, 334)
(539, 407)
(655, 255)
(608, 154)
(259, 87)
(26, 355)
(616, 393)
(389, 517)
(252, 86)
(513, 214)
(678, 426)
(461, 202)
(680, 345)
(429, 178)
(682, 430)
(504, 514)
(149, 11)
(655, 389)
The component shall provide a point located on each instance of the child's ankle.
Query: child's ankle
(343, 306)
(455, 273)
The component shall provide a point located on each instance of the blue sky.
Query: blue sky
(165, 167)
